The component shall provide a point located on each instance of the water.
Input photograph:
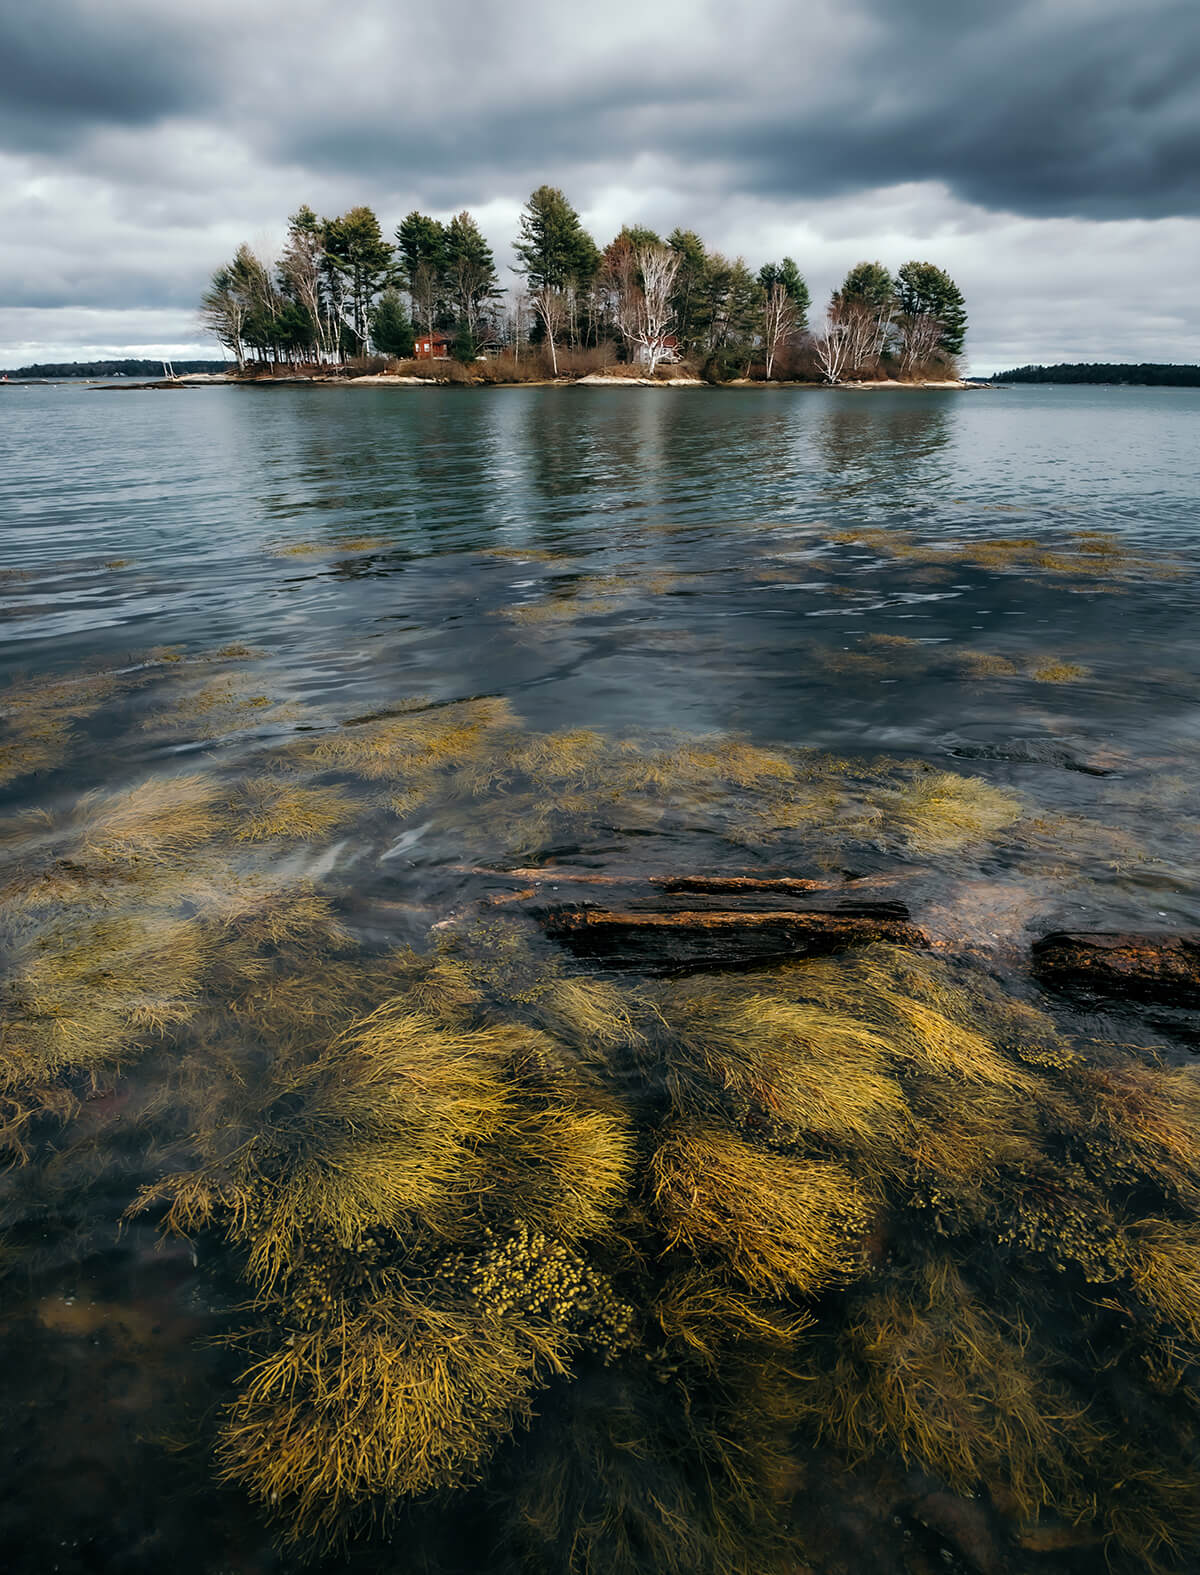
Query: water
(240, 586)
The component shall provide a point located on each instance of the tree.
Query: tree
(223, 314)
(787, 274)
(687, 297)
(301, 276)
(470, 272)
(554, 248)
(864, 309)
(549, 306)
(464, 348)
(927, 295)
(357, 255)
(642, 278)
(832, 347)
(870, 284)
(391, 327)
(516, 321)
(780, 322)
(557, 255)
(422, 247)
(241, 305)
(785, 301)
(295, 332)
(732, 304)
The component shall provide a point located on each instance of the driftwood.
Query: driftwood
(674, 941)
(1148, 967)
(785, 885)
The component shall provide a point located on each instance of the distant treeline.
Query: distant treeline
(1150, 373)
(111, 368)
(340, 289)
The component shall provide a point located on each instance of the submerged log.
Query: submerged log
(1154, 967)
(747, 885)
(658, 942)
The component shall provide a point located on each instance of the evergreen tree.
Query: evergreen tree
(688, 299)
(391, 328)
(464, 348)
(556, 251)
(795, 287)
(470, 273)
(362, 262)
(421, 242)
(868, 284)
(925, 291)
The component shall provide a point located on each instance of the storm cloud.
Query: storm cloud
(1046, 151)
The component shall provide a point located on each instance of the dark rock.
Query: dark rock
(677, 941)
(1154, 967)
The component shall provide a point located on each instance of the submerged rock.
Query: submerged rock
(1161, 967)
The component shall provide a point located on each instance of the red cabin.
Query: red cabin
(432, 347)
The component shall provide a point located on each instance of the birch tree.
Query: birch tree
(656, 266)
(550, 308)
(780, 321)
(783, 307)
(832, 348)
(300, 276)
(639, 278)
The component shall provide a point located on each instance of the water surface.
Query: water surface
(607, 602)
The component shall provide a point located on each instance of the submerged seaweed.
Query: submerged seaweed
(605, 1265)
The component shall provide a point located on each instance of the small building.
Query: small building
(432, 347)
(668, 351)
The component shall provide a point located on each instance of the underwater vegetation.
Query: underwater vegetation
(577, 1246)
(1079, 554)
(625, 1275)
(38, 718)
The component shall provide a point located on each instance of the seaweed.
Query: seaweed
(940, 812)
(624, 1475)
(956, 1389)
(272, 808)
(783, 1225)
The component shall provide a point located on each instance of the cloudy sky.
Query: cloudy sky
(1045, 152)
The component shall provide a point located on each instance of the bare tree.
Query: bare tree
(550, 307)
(300, 272)
(833, 348)
(865, 329)
(223, 311)
(517, 315)
(921, 339)
(642, 278)
(423, 286)
(781, 317)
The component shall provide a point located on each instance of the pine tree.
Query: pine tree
(924, 290)
(421, 242)
(556, 252)
(363, 262)
(470, 273)
(391, 327)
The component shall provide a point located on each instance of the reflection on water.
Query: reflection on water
(355, 1206)
(860, 447)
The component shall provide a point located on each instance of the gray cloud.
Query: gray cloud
(140, 142)
(67, 66)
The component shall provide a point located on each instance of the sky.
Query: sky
(1045, 152)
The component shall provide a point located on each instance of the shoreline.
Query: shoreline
(592, 380)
